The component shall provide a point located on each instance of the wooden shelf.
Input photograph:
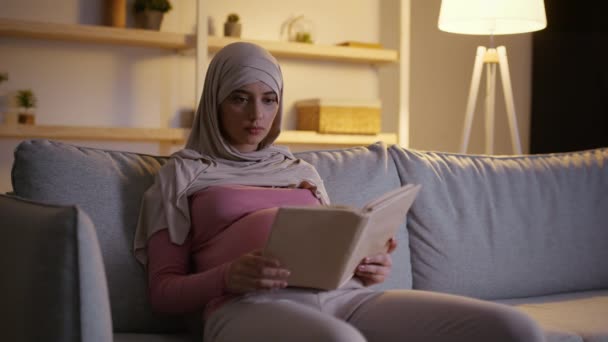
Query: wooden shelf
(314, 138)
(177, 135)
(179, 41)
(314, 51)
(172, 135)
(95, 34)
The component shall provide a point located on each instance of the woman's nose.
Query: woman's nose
(255, 110)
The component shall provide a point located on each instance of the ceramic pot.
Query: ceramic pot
(149, 20)
(232, 30)
(26, 116)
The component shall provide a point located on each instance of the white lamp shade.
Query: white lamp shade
(485, 17)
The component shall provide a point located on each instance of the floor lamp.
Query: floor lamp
(491, 17)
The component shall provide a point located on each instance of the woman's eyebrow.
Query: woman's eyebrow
(243, 91)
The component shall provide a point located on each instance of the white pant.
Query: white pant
(354, 313)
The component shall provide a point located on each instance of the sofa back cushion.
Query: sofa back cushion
(108, 186)
(511, 226)
(354, 176)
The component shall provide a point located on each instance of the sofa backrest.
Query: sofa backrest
(53, 285)
(109, 185)
(503, 227)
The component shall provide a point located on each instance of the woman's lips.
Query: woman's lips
(255, 130)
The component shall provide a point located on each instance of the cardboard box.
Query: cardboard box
(339, 116)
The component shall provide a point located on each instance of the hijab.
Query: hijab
(208, 159)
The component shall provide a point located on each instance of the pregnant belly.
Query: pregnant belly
(243, 236)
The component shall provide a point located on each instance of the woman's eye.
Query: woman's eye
(240, 99)
(270, 100)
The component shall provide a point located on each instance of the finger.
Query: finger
(274, 273)
(268, 261)
(371, 276)
(391, 245)
(254, 270)
(270, 284)
(371, 279)
(379, 259)
(371, 269)
(243, 283)
(259, 260)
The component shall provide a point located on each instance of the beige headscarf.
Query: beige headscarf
(209, 160)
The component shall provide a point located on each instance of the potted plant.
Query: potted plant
(232, 27)
(26, 102)
(149, 13)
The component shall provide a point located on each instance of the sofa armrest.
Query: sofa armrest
(53, 286)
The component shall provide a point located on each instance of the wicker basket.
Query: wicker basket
(343, 117)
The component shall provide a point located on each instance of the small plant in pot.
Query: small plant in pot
(149, 13)
(26, 102)
(232, 26)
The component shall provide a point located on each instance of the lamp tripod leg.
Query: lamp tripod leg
(510, 104)
(490, 106)
(472, 99)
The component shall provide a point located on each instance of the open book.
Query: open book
(322, 245)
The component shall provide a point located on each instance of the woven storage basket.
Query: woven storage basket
(343, 117)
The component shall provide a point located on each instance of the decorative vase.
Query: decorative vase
(116, 13)
(300, 30)
(232, 29)
(149, 20)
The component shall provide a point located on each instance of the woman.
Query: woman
(209, 211)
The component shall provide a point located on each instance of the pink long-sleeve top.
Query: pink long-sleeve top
(227, 222)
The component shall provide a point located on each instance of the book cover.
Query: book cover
(322, 245)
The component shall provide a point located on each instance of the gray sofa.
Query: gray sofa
(528, 231)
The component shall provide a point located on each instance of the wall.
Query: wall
(90, 84)
(569, 106)
(262, 20)
(441, 65)
(105, 85)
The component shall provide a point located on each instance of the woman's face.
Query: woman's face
(246, 115)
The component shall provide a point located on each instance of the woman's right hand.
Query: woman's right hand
(253, 272)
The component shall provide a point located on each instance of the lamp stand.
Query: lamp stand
(490, 58)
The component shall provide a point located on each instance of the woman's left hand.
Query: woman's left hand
(376, 268)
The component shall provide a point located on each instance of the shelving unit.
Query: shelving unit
(178, 41)
(313, 51)
(95, 34)
(174, 135)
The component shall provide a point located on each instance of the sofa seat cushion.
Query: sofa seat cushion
(576, 317)
(499, 227)
(354, 176)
